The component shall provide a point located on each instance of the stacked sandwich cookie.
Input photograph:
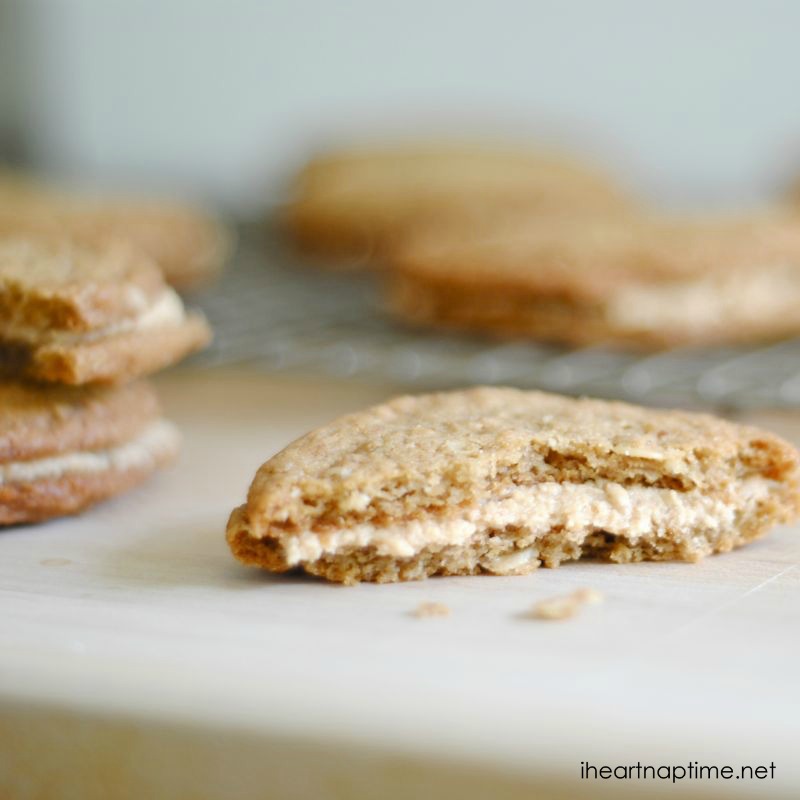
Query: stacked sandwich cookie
(81, 321)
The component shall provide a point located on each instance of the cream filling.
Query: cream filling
(577, 508)
(167, 309)
(158, 440)
(743, 298)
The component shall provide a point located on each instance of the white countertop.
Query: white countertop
(137, 659)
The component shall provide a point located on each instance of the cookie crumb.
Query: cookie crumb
(588, 596)
(424, 610)
(557, 608)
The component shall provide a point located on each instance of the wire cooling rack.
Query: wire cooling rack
(275, 312)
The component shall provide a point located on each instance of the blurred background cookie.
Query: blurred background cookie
(652, 282)
(353, 205)
(188, 244)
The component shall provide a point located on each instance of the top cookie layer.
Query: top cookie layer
(50, 283)
(417, 456)
(38, 421)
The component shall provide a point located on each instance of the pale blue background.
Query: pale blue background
(695, 100)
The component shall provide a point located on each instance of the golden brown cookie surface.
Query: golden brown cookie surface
(500, 480)
(63, 449)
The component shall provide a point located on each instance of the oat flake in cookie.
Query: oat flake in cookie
(80, 314)
(492, 480)
(64, 449)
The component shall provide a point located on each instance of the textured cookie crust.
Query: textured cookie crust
(86, 314)
(356, 204)
(644, 282)
(189, 246)
(64, 449)
(500, 480)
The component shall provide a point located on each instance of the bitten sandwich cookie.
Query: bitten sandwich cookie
(89, 314)
(63, 449)
(188, 245)
(499, 481)
(355, 204)
(642, 282)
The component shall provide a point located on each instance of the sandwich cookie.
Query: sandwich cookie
(79, 314)
(500, 481)
(647, 283)
(63, 449)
